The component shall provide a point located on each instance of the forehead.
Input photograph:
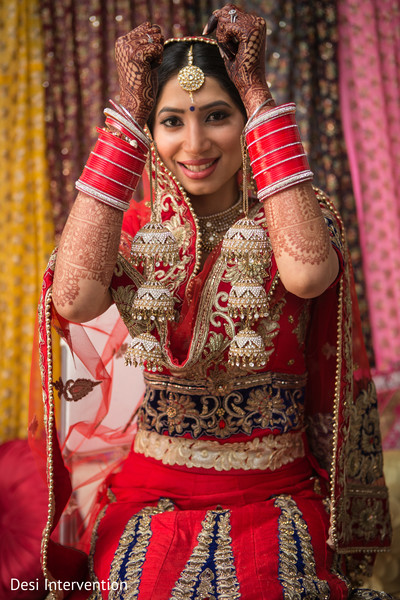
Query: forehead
(174, 96)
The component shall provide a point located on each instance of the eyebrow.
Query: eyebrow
(205, 107)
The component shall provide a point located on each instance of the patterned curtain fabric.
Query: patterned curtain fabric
(370, 94)
(26, 224)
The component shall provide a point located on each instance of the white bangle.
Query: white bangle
(284, 183)
(101, 196)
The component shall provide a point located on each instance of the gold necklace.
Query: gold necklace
(213, 227)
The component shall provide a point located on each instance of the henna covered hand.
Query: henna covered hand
(241, 39)
(137, 55)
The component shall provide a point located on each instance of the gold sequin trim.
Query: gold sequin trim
(127, 564)
(270, 452)
(225, 385)
(297, 570)
(218, 579)
(96, 594)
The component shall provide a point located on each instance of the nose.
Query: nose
(196, 141)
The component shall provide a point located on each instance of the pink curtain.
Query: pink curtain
(369, 67)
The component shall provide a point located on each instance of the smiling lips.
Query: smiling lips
(198, 169)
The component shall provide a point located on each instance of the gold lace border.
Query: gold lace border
(226, 385)
(269, 452)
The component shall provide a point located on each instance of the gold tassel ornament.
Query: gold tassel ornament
(153, 301)
(247, 350)
(154, 242)
(247, 246)
(145, 350)
(248, 300)
(246, 240)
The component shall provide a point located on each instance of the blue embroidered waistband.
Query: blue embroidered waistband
(178, 408)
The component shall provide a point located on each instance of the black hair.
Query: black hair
(206, 57)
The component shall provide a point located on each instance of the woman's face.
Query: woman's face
(200, 142)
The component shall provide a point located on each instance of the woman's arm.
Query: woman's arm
(90, 240)
(300, 240)
(85, 260)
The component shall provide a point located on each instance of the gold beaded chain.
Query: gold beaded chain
(213, 227)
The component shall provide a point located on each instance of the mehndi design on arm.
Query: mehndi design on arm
(88, 248)
(297, 227)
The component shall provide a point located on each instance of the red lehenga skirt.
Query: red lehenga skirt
(178, 533)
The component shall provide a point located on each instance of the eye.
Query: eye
(218, 115)
(171, 121)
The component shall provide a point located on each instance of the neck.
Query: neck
(212, 204)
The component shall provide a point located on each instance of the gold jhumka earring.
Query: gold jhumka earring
(153, 302)
(246, 246)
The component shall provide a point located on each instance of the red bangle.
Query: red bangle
(279, 172)
(107, 150)
(104, 184)
(114, 171)
(276, 153)
(121, 144)
(129, 162)
(273, 156)
(285, 121)
(267, 144)
(113, 168)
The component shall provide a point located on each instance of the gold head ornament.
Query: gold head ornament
(191, 77)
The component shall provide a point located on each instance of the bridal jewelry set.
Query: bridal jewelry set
(277, 160)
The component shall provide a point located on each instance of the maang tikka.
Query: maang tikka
(191, 78)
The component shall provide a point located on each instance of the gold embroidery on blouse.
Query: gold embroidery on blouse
(269, 452)
(123, 295)
(175, 276)
(301, 329)
(297, 570)
(269, 327)
(130, 555)
(214, 528)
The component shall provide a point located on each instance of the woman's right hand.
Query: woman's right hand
(138, 54)
(241, 40)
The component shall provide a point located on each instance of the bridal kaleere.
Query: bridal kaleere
(255, 466)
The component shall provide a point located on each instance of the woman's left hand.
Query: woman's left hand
(241, 39)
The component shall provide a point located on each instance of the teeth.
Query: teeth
(198, 168)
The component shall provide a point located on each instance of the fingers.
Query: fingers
(211, 25)
(229, 23)
(154, 46)
(146, 40)
(229, 13)
(144, 33)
